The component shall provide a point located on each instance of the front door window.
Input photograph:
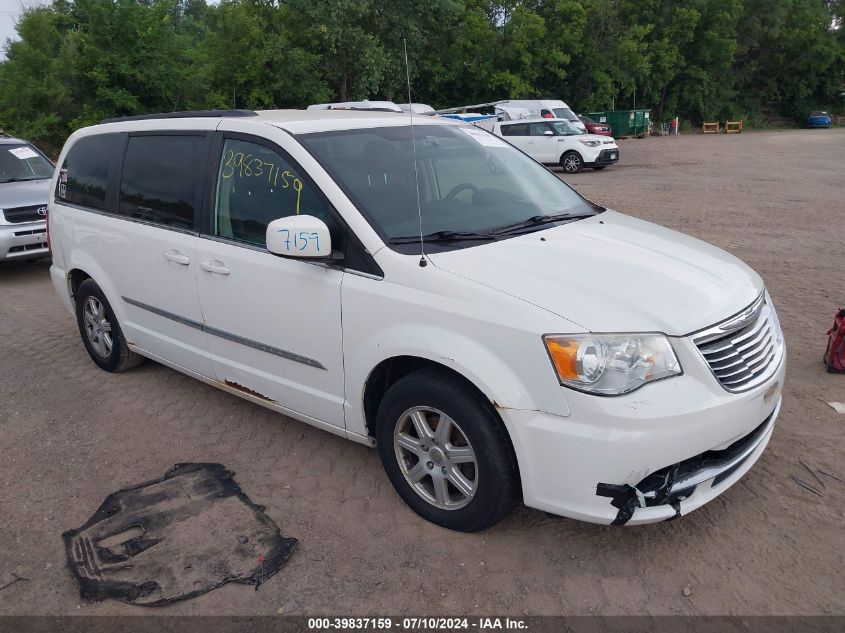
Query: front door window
(257, 185)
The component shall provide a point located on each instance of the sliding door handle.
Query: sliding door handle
(177, 257)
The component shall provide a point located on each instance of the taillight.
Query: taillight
(47, 218)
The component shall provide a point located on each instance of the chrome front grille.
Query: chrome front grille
(744, 350)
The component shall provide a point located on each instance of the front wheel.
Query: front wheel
(571, 162)
(446, 452)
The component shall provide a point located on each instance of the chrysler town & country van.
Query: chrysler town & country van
(427, 289)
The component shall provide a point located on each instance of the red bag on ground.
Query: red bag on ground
(834, 356)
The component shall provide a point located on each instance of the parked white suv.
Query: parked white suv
(25, 175)
(533, 344)
(557, 142)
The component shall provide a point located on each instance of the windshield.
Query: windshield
(565, 128)
(469, 179)
(21, 162)
(565, 113)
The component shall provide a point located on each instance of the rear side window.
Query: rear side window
(85, 172)
(161, 179)
(520, 129)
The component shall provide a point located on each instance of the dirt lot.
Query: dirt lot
(70, 434)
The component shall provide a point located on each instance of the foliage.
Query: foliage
(78, 61)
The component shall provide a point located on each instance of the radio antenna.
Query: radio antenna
(423, 262)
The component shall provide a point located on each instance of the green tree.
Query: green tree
(34, 98)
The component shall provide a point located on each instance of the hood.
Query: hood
(602, 138)
(613, 273)
(24, 194)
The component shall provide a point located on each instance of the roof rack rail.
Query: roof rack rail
(474, 106)
(185, 114)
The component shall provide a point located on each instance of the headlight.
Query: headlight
(589, 142)
(611, 364)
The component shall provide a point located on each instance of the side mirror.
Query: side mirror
(299, 236)
(548, 133)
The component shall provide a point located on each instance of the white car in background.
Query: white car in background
(543, 108)
(557, 142)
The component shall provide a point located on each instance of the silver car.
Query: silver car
(25, 175)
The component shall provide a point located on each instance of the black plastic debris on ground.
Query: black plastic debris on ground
(174, 538)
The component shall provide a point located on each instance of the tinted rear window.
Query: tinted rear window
(520, 129)
(85, 172)
(161, 178)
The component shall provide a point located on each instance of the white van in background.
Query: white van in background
(545, 108)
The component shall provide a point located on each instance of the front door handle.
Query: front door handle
(177, 257)
(215, 266)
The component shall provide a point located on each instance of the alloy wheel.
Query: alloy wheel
(97, 326)
(436, 458)
(571, 163)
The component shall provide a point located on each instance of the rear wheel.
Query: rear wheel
(446, 452)
(571, 162)
(100, 331)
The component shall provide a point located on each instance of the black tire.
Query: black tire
(494, 472)
(118, 356)
(599, 167)
(571, 162)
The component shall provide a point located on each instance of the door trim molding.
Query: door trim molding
(235, 338)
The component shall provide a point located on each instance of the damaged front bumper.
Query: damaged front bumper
(650, 456)
(691, 482)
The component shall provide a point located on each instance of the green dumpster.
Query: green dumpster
(624, 122)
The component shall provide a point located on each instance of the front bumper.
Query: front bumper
(651, 455)
(605, 157)
(27, 240)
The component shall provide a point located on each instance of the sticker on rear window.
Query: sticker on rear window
(485, 138)
(23, 153)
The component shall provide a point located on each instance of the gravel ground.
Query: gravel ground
(70, 434)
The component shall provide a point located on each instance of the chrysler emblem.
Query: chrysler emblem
(744, 318)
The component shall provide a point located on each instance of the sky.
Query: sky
(10, 11)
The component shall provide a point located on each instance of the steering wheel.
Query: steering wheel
(459, 188)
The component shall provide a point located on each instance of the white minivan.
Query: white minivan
(544, 108)
(428, 289)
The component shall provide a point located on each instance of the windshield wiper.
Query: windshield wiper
(443, 236)
(539, 220)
